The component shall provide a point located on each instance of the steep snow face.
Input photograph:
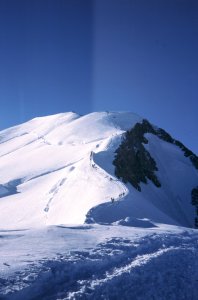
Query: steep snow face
(58, 169)
(49, 163)
(170, 203)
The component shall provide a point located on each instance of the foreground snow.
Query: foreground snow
(99, 262)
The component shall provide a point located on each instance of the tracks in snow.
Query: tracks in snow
(155, 266)
(53, 192)
(123, 189)
(55, 188)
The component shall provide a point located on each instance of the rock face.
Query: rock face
(134, 164)
(61, 170)
(194, 195)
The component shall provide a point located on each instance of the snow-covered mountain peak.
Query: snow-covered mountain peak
(61, 169)
(64, 124)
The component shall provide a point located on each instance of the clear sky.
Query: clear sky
(93, 55)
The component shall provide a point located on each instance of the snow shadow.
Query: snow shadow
(117, 213)
(134, 222)
(81, 227)
(10, 188)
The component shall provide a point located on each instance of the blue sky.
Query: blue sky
(90, 55)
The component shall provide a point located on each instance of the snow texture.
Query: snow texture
(58, 170)
(99, 262)
(56, 173)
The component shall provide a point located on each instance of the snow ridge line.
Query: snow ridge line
(105, 173)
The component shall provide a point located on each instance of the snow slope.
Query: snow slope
(58, 170)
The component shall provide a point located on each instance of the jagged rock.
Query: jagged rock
(133, 162)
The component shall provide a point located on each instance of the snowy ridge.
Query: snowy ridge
(51, 158)
(58, 170)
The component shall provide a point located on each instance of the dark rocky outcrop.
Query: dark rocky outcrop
(134, 164)
(194, 197)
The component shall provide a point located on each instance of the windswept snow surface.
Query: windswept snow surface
(58, 170)
(49, 161)
(99, 262)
